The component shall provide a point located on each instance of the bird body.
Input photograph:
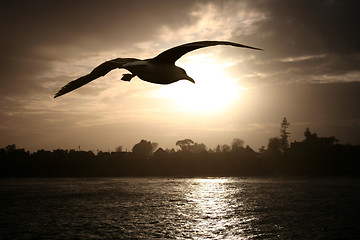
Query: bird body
(160, 69)
(160, 73)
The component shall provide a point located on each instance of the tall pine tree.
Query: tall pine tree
(284, 134)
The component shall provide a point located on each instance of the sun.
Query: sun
(213, 91)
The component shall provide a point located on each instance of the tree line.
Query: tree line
(313, 156)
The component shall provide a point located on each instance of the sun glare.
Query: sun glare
(213, 91)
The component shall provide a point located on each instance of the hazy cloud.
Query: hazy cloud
(294, 29)
(46, 44)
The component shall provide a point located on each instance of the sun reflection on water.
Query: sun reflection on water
(210, 196)
(213, 205)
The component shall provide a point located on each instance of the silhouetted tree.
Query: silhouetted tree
(309, 136)
(237, 144)
(319, 142)
(248, 149)
(284, 135)
(160, 153)
(222, 148)
(314, 155)
(10, 148)
(143, 149)
(185, 144)
(262, 149)
(170, 151)
(154, 146)
(225, 148)
(274, 158)
(274, 145)
(217, 149)
(188, 145)
(118, 149)
(198, 147)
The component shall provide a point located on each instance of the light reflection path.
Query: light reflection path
(179, 208)
(211, 206)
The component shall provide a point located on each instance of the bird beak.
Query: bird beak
(190, 79)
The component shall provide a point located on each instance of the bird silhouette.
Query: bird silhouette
(160, 69)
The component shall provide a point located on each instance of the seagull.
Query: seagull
(160, 69)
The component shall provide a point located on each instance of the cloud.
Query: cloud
(322, 34)
(46, 44)
(39, 32)
(215, 20)
(309, 27)
(41, 35)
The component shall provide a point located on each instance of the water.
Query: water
(179, 208)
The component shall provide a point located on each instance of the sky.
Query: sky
(309, 72)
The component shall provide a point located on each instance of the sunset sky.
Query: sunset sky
(309, 72)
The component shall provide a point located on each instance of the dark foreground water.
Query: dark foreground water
(180, 208)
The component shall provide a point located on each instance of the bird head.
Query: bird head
(183, 75)
(190, 79)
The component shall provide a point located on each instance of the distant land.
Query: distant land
(314, 156)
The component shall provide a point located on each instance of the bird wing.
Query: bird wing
(99, 71)
(173, 54)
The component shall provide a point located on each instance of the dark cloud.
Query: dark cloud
(303, 27)
(39, 23)
(304, 41)
(38, 32)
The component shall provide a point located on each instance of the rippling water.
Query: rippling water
(179, 208)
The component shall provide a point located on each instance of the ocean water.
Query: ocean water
(180, 208)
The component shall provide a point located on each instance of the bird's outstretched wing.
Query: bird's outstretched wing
(173, 54)
(99, 71)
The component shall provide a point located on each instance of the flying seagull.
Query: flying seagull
(160, 69)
